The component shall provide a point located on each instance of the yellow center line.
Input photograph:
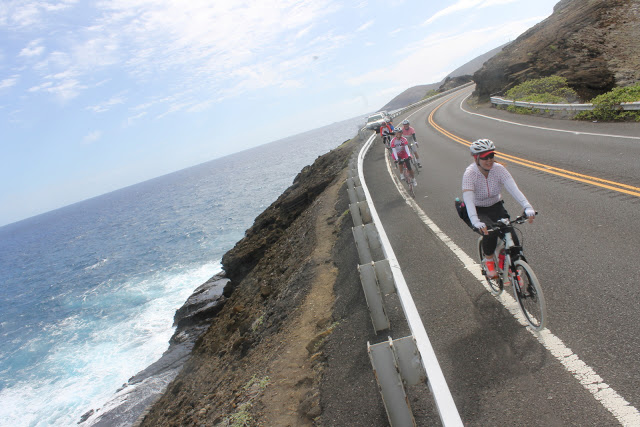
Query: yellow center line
(575, 176)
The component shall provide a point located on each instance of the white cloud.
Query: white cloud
(65, 90)
(7, 83)
(34, 48)
(365, 25)
(429, 60)
(457, 7)
(107, 105)
(41, 87)
(489, 3)
(202, 49)
(17, 13)
(131, 120)
(303, 32)
(463, 5)
(92, 137)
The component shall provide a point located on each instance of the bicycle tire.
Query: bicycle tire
(496, 286)
(414, 164)
(409, 181)
(531, 298)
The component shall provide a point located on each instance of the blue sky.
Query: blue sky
(98, 95)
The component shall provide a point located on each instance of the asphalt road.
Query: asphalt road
(584, 369)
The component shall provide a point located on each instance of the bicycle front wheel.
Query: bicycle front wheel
(495, 285)
(414, 165)
(411, 188)
(528, 292)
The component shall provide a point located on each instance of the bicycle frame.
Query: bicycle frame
(517, 272)
(506, 242)
(407, 176)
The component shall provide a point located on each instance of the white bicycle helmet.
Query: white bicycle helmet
(481, 146)
(397, 130)
(405, 122)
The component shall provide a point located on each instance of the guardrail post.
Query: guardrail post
(365, 213)
(362, 245)
(384, 276)
(355, 214)
(373, 296)
(374, 242)
(396, 362)
(360, 194)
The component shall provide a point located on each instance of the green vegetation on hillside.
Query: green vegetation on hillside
(430, 94)
(555, 90)
(607, 105)
(548, 90)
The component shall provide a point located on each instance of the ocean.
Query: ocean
(88, 291)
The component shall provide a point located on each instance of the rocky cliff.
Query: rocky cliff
(592, 43)
(261, 358)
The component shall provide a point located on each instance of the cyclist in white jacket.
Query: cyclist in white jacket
(481, 185)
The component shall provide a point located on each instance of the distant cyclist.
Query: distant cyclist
(410, 133)
(386, 131)
(481, 185)
(401, 154)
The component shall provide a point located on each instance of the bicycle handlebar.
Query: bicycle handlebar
(504, 223)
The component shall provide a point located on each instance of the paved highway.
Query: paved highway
(585, 182)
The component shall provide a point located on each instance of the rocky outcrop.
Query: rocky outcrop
(258, 337)
(191, 321)
(592, 43)
(270, 225)
(454, 82)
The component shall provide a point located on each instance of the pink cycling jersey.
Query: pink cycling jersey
(487, 190)
(408, 131)
(400, 148)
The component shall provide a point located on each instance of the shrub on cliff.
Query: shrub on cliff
(547, 90)
(607, 106)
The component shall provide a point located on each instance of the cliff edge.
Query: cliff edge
(261, 361)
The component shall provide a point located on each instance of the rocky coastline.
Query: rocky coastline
(255, 333)
(140, 391)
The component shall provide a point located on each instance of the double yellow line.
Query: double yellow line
(598, 182)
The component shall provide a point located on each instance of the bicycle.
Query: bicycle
(414, 162)
(407, 176)
(512, 267)
(386, 140)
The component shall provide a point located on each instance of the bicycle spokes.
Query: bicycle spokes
(529, 295)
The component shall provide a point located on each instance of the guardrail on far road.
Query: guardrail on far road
(496, 100)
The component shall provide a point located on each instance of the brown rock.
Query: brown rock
(592, 43)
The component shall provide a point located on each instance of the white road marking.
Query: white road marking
(544, 128)
(626, 414)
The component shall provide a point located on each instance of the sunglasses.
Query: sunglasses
(488, 156)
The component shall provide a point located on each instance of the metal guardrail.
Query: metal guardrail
(627, 106)
(396, 113)
(404, 361)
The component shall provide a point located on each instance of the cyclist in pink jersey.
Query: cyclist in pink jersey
(401, 154)
(481, 185)
(386, 130)
(410, 133)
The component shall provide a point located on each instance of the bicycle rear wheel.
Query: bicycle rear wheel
(495, 285)
(528, 292)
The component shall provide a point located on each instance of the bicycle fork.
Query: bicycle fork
(506, 267)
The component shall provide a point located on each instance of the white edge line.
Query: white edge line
(543, 128)
(622, 410)
(437, 383)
